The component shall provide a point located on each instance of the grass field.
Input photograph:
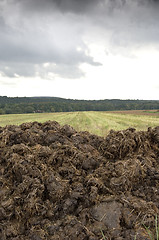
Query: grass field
(95, 122)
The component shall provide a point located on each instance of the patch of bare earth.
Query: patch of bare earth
(56, 183)
(138, 112)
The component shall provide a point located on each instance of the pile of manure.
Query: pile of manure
(60, 184)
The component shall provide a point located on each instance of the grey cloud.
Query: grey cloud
(65, 71)
(34, 32)
(77, 6)
(26, 43)
(62, 5)
(39, 49)
(131, 24)
(45, 70)
(13, 69)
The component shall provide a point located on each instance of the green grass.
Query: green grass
(152, 236)
(150, 233)
(103, 236)
(95, 122)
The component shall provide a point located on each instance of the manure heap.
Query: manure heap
(56, 183)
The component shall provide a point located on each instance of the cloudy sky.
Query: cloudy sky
(81, 49)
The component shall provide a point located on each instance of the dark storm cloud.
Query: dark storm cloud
(35, 32)
(77, 6)
(80, 6)
(31, 35)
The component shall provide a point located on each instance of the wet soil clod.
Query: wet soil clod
(57, 183)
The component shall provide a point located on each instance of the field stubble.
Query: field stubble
(99, 123)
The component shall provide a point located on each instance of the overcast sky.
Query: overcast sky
(81, 49)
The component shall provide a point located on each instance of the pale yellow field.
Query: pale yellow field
(95, 122)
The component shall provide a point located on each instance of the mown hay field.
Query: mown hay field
(98, 123)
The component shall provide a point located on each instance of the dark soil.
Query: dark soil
(56, 183)
(153, 112)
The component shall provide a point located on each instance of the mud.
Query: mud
(56, 183)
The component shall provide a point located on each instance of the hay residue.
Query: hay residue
(56, 183)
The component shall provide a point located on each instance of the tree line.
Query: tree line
(18, 105)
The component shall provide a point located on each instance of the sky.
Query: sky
(80, 49)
